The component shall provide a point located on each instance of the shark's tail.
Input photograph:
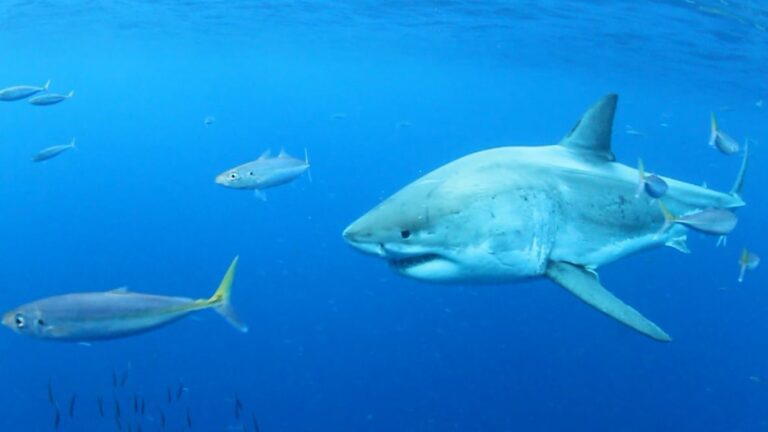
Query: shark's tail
(47, 84)
(739, 184)
(70, 94)
(219, 301)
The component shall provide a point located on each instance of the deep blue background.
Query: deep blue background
(338, 342)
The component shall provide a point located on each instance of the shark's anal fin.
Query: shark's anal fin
(584, 284)
(592, 134)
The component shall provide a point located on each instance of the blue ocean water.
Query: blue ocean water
(379, 93)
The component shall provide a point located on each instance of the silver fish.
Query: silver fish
(118, 313)
(15, 93)
(720, 140)
(747, 261)
(53, 151)
(50, 98)
(713, 221)
(209, 120)
(265, 172)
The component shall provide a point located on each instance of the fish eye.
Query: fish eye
(20, 321)
(250, 173)
(233, 175)
(405, 234)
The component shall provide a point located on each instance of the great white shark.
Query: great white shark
(514, 213)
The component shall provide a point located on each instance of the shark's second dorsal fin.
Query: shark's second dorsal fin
(267, 153)
(592, 133)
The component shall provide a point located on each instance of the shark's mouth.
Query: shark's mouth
(405, 263)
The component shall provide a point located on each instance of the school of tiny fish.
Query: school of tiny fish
(125, 409)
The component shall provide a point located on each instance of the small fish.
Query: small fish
(169, 396)
(118, 411)
(100, 405)
(238, 406)
(124, 379)
(653, 185)
(114, 379)
(720, 140)
(50, 98)
(108, 315)
(403, 125)
(162, 420)
(52, 152)
(56, 419)
(339, 116)
(759, 103)
(15, 93)
(72, 401)
(135, 404)
(713, 221)
(179, 391)
(209, 120)
(189, 419)
(255, 423)
(629, 130)
(747, 261)
(51, 398)
(265, 172)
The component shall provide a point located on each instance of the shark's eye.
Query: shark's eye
(405, 234)
(41, 323)
(20, 321)
(250, 173)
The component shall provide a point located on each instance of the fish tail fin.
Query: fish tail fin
(306, 161)
(669, 218)
(743, 262)
(70, 94)
(219, 301)
(46, 85)
(72, 143)
(738, 185)
(712, 129)
(641, 179)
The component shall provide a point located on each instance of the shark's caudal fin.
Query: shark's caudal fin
(592, 133)
(584, 285)
(219, 301)
(738, 185)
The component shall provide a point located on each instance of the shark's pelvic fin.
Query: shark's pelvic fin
(584, 284)
(592, 133)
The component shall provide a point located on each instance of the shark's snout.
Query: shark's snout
(362, 242)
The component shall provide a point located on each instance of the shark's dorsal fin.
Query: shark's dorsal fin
(265, 155)
(592, 133)
(120, 290)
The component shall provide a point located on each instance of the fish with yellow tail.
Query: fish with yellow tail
(83, 317)
(720, 140)
(747, 261)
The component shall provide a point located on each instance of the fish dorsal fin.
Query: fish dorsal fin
(120, 290)
(592, 133)
(267, 153)
(282, 154)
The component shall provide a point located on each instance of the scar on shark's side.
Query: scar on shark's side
(514, 213)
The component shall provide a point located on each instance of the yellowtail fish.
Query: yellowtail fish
(265, 172)
(747, 261)
(52, 152)
(15, 93)
(712, 221)
(653, 185)
(113, 314)
(51, 98)
(720, 140)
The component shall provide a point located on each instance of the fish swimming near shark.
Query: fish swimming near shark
(15, 93)
(50, 98)
(83, 317)
(52, 152)
(265, 172)
(515, 213)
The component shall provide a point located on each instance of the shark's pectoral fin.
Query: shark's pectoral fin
(584, 284)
